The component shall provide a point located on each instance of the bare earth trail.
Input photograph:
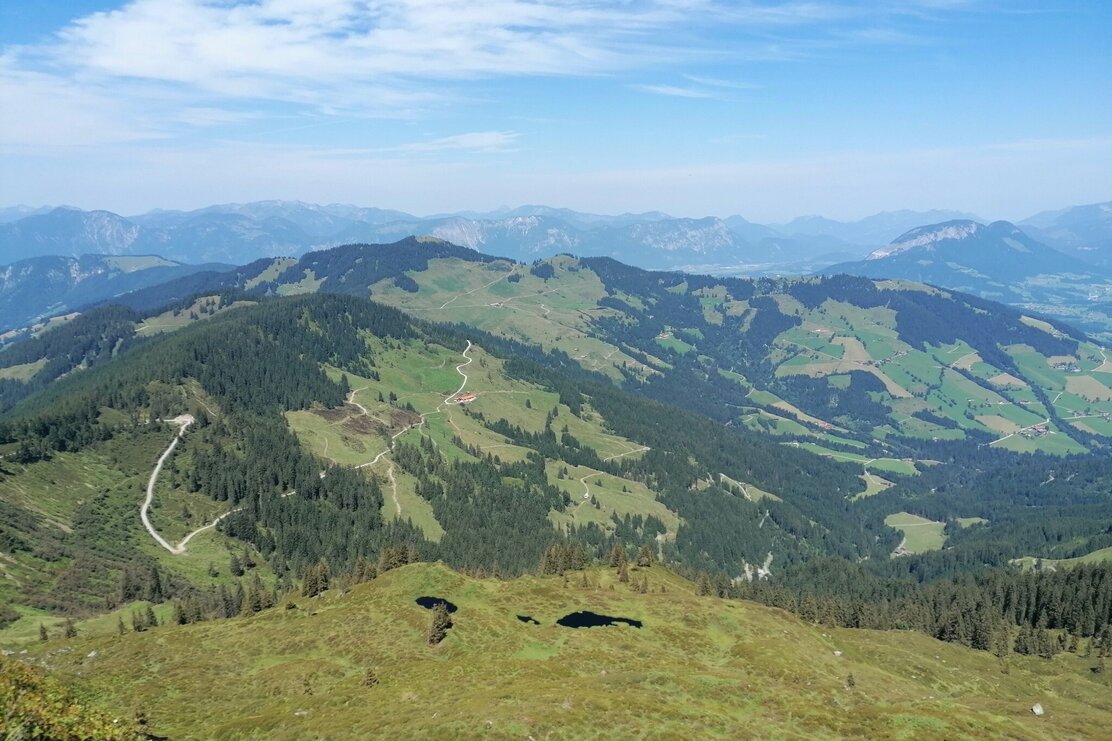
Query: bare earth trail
(184, 420)
(447, 400)
(351, 400)
(394, 489)
(459, 369)
(144, 510)
(473, 290)
(587, 489)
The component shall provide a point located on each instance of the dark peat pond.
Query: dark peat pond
(586, 619)
(430, 602)
(528, 619)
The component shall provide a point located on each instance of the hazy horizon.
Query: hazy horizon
(769, 110)
(502, 209)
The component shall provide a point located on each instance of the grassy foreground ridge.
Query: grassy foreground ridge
(357, 665)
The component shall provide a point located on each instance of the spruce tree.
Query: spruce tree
(70, 630)
(43, 634)
(439, 624)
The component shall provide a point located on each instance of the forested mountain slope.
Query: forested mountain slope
(818, 360)
(823, 360)
(330, 428)
(319, 440)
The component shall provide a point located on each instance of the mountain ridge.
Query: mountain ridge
(41, 287)
(998, 261)
(240, 232)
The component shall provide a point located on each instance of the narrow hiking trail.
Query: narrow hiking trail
(587, 489)
(642, 449)
(459, 369)
(583, 480)
(351, 400)
(184, 420)
(473, 290)
(394, 489)
(439, 408)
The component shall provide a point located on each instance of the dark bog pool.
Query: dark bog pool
(430, 602)
(585, 619)
(528, 619)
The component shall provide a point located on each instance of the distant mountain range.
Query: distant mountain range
(1082, 231)
(239, 233)
(1057, 263)
(40, 287)
(997, 261)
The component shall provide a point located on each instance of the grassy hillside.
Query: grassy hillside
(828, 345)
(424, 376)
(357, 665)
(887, 363)
(401, 434)
(331, 434)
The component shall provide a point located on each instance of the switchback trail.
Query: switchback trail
(459, 369)
(184, 421)
(447, 400)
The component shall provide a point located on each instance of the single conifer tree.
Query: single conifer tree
(439, 624)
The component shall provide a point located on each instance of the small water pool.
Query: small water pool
(587, 619)
(430, 602)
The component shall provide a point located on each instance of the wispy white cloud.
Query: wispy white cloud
(477, 141)
(718, 82)
(157, 64)
(484, 142)
(674, 91)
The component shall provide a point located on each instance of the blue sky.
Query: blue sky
(695, 107)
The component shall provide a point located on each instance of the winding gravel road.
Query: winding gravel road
(184, 421)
